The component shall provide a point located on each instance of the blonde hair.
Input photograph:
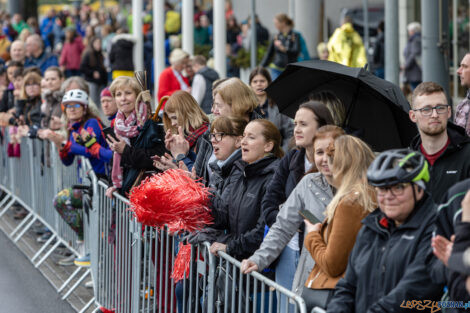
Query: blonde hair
(124, 81)
(238, 95)
(189, 113)
(352, 157)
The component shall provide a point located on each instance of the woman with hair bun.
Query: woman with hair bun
(284, 48)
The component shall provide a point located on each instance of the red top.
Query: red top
(433, 157)
(72, 54)
(168, 84)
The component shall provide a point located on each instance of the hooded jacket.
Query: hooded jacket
(121, 54)
(240, 211)
(345, 47)
(387, 266)
(448, 218)
(452, 166)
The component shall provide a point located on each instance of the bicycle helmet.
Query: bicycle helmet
(75, 95)
(398, 166)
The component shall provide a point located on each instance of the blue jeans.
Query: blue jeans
(285, 270)
(274, 73)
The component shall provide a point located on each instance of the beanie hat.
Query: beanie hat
(105, 93)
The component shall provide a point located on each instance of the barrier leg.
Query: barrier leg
(25, 229)
(75, 273)
(47, 254)
(44, 246)
(87, 305)
(7, 207)
(79, 281)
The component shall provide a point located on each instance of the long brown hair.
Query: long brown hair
(189, 113)
(352, 158)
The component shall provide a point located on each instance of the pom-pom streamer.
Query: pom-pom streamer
(171, 198)
(182, 261)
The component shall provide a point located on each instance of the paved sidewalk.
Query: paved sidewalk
(22, 287)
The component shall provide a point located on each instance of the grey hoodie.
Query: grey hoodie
(312, 193)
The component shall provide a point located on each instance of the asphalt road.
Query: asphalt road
(22, 287)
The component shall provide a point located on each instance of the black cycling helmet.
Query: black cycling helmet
(398, 166)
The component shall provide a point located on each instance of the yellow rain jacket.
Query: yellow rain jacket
(345, 47)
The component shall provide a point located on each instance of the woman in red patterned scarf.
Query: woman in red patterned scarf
(185, 122)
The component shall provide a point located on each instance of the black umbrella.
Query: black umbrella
(377, 110)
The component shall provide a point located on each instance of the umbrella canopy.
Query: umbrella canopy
(377, 110)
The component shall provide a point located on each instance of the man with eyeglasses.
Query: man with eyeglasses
(386, 268)
(445, 146)
(462, 112)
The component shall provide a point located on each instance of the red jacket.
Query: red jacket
(71, 55)
(168, 84)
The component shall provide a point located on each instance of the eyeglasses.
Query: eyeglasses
(72, 105)
(396, 190)
(217, 137)
(427, 111)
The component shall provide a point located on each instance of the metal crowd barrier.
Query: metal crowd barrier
(131, 264)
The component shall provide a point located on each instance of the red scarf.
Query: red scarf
(195, 134)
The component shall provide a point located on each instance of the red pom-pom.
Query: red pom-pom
(105, 310)
(182, 263)
(171, 198)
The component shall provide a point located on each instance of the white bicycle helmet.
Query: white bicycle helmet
(76, 95)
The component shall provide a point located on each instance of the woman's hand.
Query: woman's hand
(442, 248)
(86, 135)
(179, 144)
(23, 130)
(466, 208)
(116, 145)
(309, 227)
(249, 266)
(191, 174)
(216, 247)
(168, 139)
(164, 162)
(109, 192)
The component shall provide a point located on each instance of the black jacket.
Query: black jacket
(31, 109)
(240, 210)
(448, 219)
(93, 61)
(386, 266)
(8, 100)
(288, 174)
(291, 42)
(209, 76)
(452, 166)
(120, 56)
(52, 106)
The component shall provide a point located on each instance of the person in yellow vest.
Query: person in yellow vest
(345, 45)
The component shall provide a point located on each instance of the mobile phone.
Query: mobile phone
(309, 216)
(109, 131)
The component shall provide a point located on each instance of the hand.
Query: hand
(168, 139)
(23, 130)
(85, 134)
(164, 162)
(56, 138)
(179, 144)
(309, 227)
(109, 192)
(44, 133)
(466, 208)
(96, 75)
(442, 248)
(116, 145)
(249, 266)
(183, 167)
(216, 247)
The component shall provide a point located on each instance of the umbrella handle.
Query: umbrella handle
(160, 103)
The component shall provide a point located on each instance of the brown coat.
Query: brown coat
(331, 259)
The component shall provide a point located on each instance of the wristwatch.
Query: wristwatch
(180, 157)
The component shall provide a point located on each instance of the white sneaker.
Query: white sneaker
(67, 261)
(89, 284)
